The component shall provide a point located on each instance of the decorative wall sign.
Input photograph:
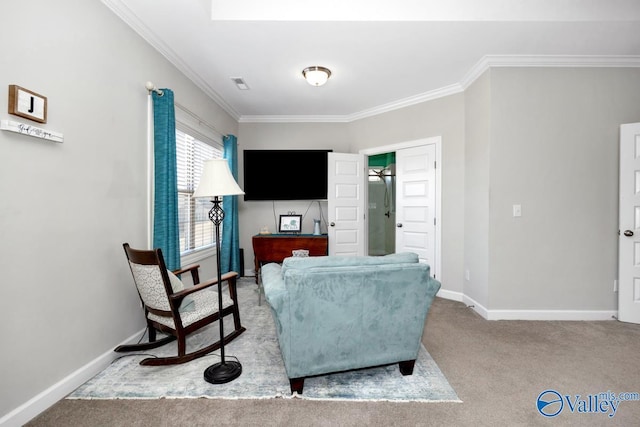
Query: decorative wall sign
(31, 130)
(27, 104)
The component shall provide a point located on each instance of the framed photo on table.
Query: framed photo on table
(290, 223)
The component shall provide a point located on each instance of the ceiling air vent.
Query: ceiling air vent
(239, 81)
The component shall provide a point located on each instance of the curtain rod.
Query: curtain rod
(152, 88)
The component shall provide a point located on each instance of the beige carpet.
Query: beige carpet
(498, 369)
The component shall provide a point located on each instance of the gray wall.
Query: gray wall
(67, 295)
(476, 197)
(253, 215)
(547, 139)
(441, 117)
(554, 150)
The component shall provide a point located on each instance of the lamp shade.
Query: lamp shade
(216, 180)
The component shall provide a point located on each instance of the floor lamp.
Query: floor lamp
(216, 181)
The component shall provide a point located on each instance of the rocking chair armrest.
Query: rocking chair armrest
(193, 269)
(227, 277)
(190, 289)
(230, 278)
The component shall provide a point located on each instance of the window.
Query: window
(196, 230)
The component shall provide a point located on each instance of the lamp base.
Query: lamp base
(220, 373)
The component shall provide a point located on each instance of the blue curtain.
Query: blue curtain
(165, 218)
(230, 249)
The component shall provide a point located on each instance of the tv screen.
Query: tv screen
(285, 174)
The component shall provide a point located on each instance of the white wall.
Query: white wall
(67, 295)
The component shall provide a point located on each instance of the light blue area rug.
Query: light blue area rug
(263, 375)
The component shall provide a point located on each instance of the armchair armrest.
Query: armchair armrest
(275, 290)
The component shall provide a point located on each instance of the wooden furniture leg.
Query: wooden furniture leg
(406, 367)
(297, 384)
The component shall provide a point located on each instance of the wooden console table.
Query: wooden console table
(276, 247)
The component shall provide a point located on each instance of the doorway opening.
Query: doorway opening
(414, 200)
(382, 204)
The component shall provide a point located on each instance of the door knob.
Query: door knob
(628, 233)
(333, 224)
(399, 225)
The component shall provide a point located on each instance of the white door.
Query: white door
(629, 240)
(416, 203)
(346, 204)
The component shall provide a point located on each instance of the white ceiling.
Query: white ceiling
(383, 54)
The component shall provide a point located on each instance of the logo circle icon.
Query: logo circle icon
(550, 403)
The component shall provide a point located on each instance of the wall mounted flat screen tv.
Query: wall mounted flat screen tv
(285, 174)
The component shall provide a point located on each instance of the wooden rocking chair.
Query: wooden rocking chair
(176, 310)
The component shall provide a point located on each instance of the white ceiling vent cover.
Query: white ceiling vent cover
(240, 83)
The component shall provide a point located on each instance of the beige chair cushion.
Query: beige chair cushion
(205, 304)
(149, 282)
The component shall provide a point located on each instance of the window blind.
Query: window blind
(196, 230)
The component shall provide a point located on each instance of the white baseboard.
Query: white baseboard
(42, 401)
(567, 315)
(570, 315)
(450, 295)
(478, 308)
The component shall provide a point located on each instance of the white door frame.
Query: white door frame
(437, 141)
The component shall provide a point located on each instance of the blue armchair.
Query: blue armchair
(340, 313)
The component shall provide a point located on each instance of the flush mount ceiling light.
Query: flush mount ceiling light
(316, 75)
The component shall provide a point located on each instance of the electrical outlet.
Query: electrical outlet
(467, 275)
(615, 285)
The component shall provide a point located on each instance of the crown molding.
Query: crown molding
(293, 119)
(586, 61)
(347, 118)
(484, 64)
(131, 19)
(407, 102)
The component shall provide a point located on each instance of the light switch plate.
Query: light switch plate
(517, 211)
